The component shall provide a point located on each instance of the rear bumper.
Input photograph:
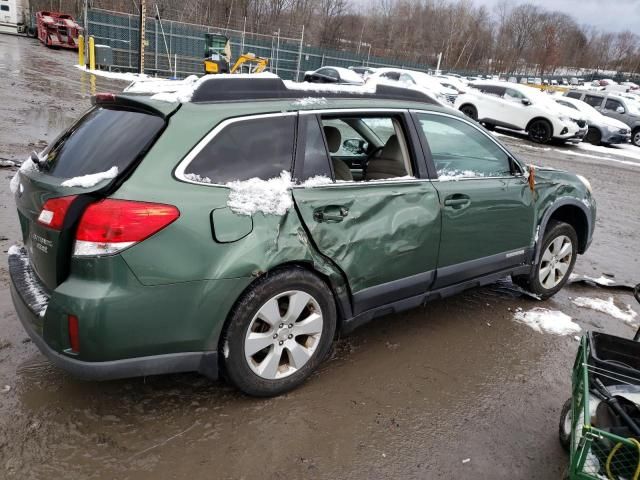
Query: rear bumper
(204, 362)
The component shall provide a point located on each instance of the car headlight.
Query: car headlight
(585, 182)
(565, 119)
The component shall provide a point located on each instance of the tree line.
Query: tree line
(518, 39)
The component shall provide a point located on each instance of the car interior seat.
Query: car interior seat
(334, 140)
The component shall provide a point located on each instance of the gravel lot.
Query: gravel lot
(407, 396)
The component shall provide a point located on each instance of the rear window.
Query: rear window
(102, 139)
(260, 147)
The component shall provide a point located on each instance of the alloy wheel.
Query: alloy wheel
(636, 138)
(555, 262)
(283, 335)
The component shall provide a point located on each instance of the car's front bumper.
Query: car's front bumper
(571, 133)
(615, 137)
(40, 326)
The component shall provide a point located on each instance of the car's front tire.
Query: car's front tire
(470, 111)
(540, 131)
(278, 332)
(635, 137)
(557, 258)
(593, 136)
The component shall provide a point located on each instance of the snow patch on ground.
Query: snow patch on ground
(601, 280)
(271, 197)
(543, 320)
(125, 76)
(606, 306)
(26, 166)
(91, 180)
(7, 163)
(597, 157)
(623, 150)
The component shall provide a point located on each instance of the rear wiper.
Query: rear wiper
(35, 158)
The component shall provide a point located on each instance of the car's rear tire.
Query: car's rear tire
(540, 131)
(470, 111)
(564, 428)
(593, 136)
(278, 332)
(557, 258)
(635, 137)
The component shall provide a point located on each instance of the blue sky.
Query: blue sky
(611, 15)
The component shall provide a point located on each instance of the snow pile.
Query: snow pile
(310, 101)
(271, 197)
(91, 180)
(26, 166)
(34, 294)
(606, 306)
(549, 321)
(158, 85)
(330, 87)
(194, 177)
(316, 181)
(456, 174)
(7, 163)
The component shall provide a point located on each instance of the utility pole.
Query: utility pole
(141, 40)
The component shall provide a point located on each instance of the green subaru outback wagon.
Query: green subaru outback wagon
(237, 232)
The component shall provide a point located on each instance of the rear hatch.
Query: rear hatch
(76, 170)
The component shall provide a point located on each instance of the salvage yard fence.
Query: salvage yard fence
(176, 49)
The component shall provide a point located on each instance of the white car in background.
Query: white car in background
(602, 129)
(413, 78)
(519, 107)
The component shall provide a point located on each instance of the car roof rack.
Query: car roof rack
(228, 88)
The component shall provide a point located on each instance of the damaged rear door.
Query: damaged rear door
(384, 234)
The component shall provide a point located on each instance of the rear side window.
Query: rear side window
(575, 95)
(102, 139)
(260, 147)
(593, 100)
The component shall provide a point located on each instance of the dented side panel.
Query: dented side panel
(374, 233)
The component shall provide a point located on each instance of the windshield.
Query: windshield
(634, 107)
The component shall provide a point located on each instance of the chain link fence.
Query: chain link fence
(176, 49)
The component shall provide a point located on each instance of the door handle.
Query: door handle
(457, 201)
(330, 214)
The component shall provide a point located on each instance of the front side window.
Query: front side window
(593, 100)
(462, 151)
(575, 95)
(329, 72)
(391, 75)
(367, 148)
(406, 78)
(260, 147)
(613, 105)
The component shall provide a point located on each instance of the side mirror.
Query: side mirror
(526, 102)
(620, 110)
(354, 145)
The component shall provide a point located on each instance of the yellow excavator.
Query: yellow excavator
(217, 53)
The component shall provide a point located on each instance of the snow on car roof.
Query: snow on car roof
(347, 74)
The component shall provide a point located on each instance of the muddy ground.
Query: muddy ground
(407, 396)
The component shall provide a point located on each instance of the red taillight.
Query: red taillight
(74, 333)
(54, 210)
(110, 225)
(105, 98)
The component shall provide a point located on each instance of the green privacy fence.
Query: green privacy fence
(176, 49)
